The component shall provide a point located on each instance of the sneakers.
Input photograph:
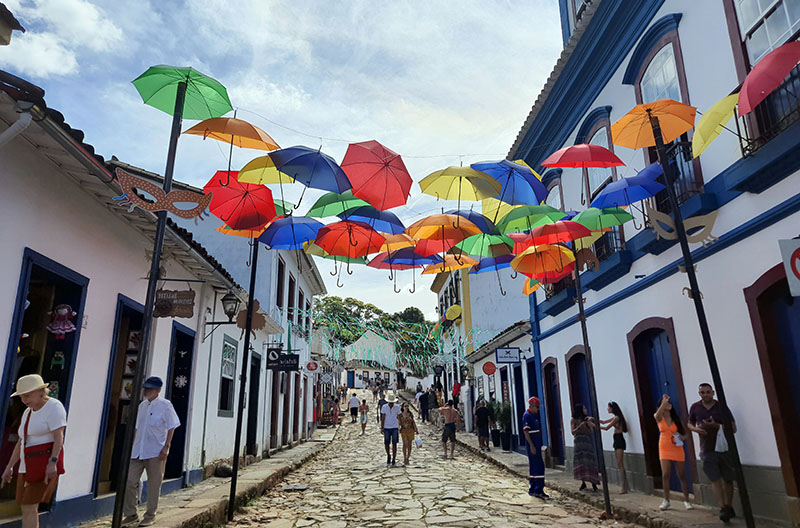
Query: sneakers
(130, 519)
(148, 521)
(542, 495)
(393, 463)
(726, 513)
(664, 505)
(688, 505)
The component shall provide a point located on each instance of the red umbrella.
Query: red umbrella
(583, 155)
(349, 239)
(428, 246)
(378, 263)
(554, 276)
(377, 174)
(561, 231)
(768, 74)
(240, 205)
(522, 241)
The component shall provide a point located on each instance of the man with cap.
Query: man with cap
(156, 422)
(390, 427)
(533, 435)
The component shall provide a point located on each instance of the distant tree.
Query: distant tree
(412, 314)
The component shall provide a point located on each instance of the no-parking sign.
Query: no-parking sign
(790, 250)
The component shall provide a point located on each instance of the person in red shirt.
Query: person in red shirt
(456, 393)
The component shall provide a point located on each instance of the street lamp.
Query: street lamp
(230, 305)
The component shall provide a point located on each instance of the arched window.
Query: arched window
(660, 79)
(554, 194)
(597, 178)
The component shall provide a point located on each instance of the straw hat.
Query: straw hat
(29, 383)
(391, 398)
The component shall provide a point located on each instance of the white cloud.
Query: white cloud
(38, 55)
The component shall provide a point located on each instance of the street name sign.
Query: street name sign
(507, 354)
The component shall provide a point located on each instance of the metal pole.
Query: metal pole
(701, 314)
(147, 318)
(537, 361)
(598, 438)
(248, 327)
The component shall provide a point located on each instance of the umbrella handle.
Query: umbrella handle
(391, 273)
(333, 274)
(349, 271)
(413, 287)
(502, 291)
(394, 285)
(339, 281)
(514, 275)
(228, 181)
(303, 193)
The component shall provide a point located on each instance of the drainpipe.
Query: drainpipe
(22, 122)
(537, 361)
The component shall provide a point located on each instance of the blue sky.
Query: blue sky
(441, 83)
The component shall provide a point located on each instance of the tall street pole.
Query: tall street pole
(147, 319)
(701, 314)
(248, 327)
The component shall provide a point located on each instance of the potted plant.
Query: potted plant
(495, 432)
(504, 419)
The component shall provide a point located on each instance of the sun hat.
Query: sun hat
(29, 383)
(391, 398)
(153, 382)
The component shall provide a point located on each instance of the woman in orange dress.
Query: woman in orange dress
(670, 449)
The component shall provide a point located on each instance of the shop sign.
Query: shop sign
(507, 354)
(790, 250)
(489, 368)
(311, 366)
(174, 303)
(506, 393)
(326, 378)
(282, 362)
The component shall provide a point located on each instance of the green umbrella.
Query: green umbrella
(527, 217)
(283, 208)
(486, 245)
(597, 219)
(205, 97)
(333, 204)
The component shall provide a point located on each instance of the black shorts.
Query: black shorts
(353, 411)
(619, 441)
(449, 433)
(483, 431)
(718, 466)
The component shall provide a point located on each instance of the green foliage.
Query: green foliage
(503, 415)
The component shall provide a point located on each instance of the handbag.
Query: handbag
(38, 456)
(418, 441)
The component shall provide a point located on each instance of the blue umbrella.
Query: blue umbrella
(520, 186)
(312, 168)
(483, 223)
(493, 263)
(290, 232)
(626, 191)
(408, 257)
(382, 221)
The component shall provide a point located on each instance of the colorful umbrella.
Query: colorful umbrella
(377, 174)
(349, 239)
(530, 286)
(460, 183)
(484, 245)
(237, 132)
(205, 97)
(399, 241)
(443, 227)
(290, 232)
(450, 263)
(561, 231)
(582, 155)
(626, 191)
(494, 208)
(245, 233)
(409, 257)
(379, 262)
(634, 130)
(427, 247)
(712, 123)
(519, 184)
(542, 259)
(312, 168)
(240, 205)
(334, 204)
(768, 74)
(493, 263)
(261, 170)
(527, 217)
(522, 241)
(599, 219)
(282, 207)
(379, 220)
(553, 276)
(483, 223)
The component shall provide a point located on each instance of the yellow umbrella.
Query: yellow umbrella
(521, 162)
(588, 241)
(494, 208)
(460, 183)
(262, 170)
(399, 241)
(544, 258)
(712, 123)
(450, 263)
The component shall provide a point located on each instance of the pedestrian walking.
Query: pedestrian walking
(670, 450)
(710, 419)
(381, 403)
(39, 449)
(363, 410)
(374, 391)
(353, 404)
(456, 393)
(335, 411)
(408, 429)
(451, 417)
(418, 398)
(390, 427)
(483, 419)
(419, 386)
(617, 421)
(424, 405)
(532, 429)
(156, 422)
(584, 458)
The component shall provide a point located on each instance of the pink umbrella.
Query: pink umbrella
(583, 155)
(768, 74)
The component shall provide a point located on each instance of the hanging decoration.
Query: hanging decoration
(161, 201)
(61, 321)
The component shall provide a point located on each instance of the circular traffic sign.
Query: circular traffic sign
(794, 261)
(489, 368)
(312, 366)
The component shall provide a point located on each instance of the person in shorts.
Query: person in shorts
(390, 427)
(451, 417)
(353, 404)
(708, 418)
(363, 410)
(483, 419)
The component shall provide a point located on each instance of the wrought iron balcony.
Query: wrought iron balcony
(551, 290)
(685, 184)
(608, 244)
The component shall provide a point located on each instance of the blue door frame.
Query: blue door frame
(351, 379)
(579, 382)
(180, 396)
(519, 407)
(552, 403)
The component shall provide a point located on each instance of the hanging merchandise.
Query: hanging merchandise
(60, 321)
(58, 360)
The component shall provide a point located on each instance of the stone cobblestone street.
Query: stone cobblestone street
(350, 485)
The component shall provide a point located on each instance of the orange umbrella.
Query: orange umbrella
(450, 263)
(542, 259)
(551, 277)
(394, 242)
(443, 227)
(236, 131)
(531, 285)
(634, 130)
(246, 233)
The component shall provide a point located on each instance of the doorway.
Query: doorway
(121, 369)
(251, 446)
(178, 391)
(519, 407)
(297, 417)
(351, 379)
(775, 316)
(656, 369)
(552, 398)
(578, 379)
(285, 390)
(274, 409)
(504, 384)
(43, 339)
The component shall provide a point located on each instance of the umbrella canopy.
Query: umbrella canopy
(240, 205)
(378, 262)
(429, 247)
(282, 207)
(483, 223)
(522, 241)
(561, 231)
(290, 232)
(588, 241)
(460, 183)
(377, 174)
(261, 170)
(712, 123)
(493, 263)
(399, 241)
(443, 227)
(349, 239)
(550, 277)
(238, 132)
(450, 263)
(633, 130)
(519, 184)
(599, 219)
(334, 204)
(626, 191)
(542, 259)
(409, 257)
(379, 220)
(582, 155)
(245, 233)
(312, 249)
(494, 208)
(768, 74)
(484, 245)
(312, 168)
(530, 286)
(527, 217)
(205, 97)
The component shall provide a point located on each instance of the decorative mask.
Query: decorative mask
(164, 201)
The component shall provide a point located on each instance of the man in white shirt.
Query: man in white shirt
(353, 404)
(156, 422)
(390, 427)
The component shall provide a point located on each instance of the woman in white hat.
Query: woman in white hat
(41, 438)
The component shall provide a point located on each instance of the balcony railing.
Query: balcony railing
(551, 290)
(770, 117)
(686, 185)
(608, 244)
